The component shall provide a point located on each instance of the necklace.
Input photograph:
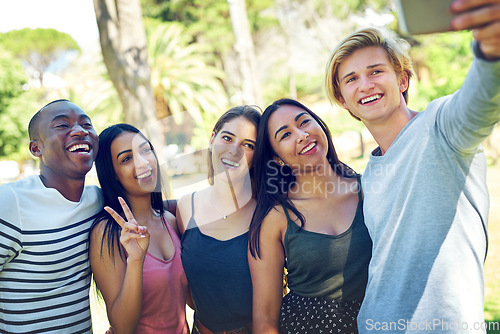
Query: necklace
(215, 207)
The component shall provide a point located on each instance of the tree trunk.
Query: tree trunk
(284, 8)
(124, 49)
(246, 54)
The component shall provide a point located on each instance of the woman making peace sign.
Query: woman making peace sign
(135, 253)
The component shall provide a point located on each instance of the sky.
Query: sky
(74, 17)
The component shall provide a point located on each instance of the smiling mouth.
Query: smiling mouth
(145, 175)
(370, 98)
(79, 148)
(308, 148)
(229, 163)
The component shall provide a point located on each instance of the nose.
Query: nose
(365, 83)
(302, 136)
(140, 161)
(235, 149)
(78, 130)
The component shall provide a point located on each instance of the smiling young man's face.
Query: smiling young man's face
(370, 87)
(67, 142)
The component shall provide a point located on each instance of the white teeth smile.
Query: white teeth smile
(370, 98)
(230, 163)
(307, 148)
(145, 175)
(83, 147)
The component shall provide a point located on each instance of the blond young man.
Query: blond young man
(426, 200)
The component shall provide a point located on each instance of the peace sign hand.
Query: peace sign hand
(134, 238)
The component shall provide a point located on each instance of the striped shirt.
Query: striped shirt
(44, 266)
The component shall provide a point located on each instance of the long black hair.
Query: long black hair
(112, 188)
(274, 181)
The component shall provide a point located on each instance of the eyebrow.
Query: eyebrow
(281, 128)
(128, 151)
(300, 115)
(232, 134)
(122, 152)
(368, 67)
(286, 126)
(58, 117)
(65, 117)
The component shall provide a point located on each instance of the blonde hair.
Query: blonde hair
(397, 51)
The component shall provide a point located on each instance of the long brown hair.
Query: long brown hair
(251, 113)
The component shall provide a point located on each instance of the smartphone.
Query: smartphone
(424, 16)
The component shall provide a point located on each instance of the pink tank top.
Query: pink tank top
(164, 292)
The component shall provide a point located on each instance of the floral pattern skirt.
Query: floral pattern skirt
(303, 315)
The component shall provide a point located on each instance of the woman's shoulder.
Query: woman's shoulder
(97, 234)
(184, 204)
(352, 178)
(184, 211)
(171, 220)
(99, 226)
(185, 200)
(349, 185)
(170, 205)
(197, 198)
(276, 217)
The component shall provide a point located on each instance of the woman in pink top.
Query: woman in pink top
(134, 243)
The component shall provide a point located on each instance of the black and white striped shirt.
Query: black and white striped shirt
(44, 266)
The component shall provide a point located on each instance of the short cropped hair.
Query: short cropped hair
(33, 124)
(397, 51)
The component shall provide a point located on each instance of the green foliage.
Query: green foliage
(45, 42)
(201, 12)
(101, 103)
(339, 121)
(184, 75)
(203, 19)
(207, 20)
(38, 48)
(306, 85)
(15, 106)
(99, 98)
(14, 130)
(441, 62)
(12, 78)
(342, 9)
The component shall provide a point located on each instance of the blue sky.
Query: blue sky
(74, 17)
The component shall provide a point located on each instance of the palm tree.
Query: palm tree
(182, 74)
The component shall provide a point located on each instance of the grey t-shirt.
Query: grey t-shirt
(426, 208)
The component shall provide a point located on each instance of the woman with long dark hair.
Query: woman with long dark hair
(134, 243)
(309, 219)
(214, 222)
